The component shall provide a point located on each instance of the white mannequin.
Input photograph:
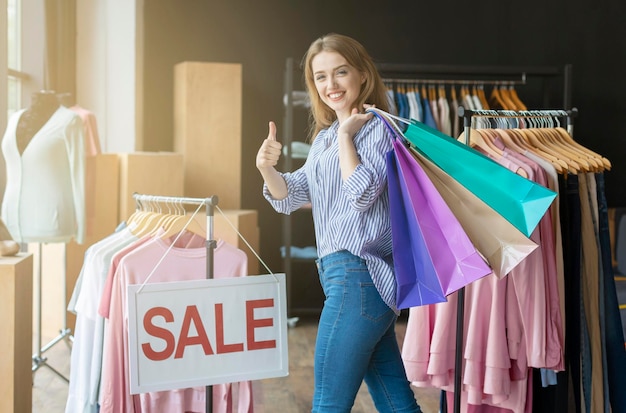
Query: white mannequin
(43, 148)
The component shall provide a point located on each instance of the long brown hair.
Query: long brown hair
(373, 90)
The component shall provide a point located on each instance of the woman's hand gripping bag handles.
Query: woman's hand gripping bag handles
(433, 255)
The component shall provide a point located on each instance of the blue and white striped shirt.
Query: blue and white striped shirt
(350, 215)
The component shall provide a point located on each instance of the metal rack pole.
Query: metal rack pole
(211, 243)
(460, 306)
(210, 248)
(287, 165)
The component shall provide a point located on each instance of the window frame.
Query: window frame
(21, 68)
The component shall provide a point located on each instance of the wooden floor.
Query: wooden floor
(291, 394)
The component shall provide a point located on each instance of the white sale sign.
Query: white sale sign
(205, 332)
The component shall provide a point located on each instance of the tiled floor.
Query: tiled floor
(49, 389)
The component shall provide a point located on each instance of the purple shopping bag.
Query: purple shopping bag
(416, 278)
(456, 261)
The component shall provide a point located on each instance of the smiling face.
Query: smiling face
(338, 84)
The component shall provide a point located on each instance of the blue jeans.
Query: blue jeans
(356, 341)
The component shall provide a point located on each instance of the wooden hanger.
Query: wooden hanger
(164, 221)
(562, 151)
(540, 137)
(495, 100)
(482, 138)
(520, 140)
(490, 136)
(134, 217)
(510, 142)
(138, 214)
(148, 224)
(147, 221)
(548, 136)
(481, 96)
(518, 102)
(178, 223)
(506, 99)
(566, 137)
(540, 149)
(477, 139)
(464, 91)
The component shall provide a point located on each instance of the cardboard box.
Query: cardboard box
(148, 173)
(16, 335)
(207, 129)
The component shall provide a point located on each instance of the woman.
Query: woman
(344, 179)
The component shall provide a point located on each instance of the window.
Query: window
(15, 76)
(22, 53)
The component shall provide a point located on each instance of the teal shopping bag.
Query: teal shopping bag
(521, 201)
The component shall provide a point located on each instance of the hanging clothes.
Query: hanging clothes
(86, 355)
(553, 310)
(99, 369)
(92, 138)
(431, 104)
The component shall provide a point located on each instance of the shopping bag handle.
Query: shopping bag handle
(389, 121)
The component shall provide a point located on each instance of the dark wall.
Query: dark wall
(262, 34)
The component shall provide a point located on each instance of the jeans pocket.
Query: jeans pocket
(372, 305)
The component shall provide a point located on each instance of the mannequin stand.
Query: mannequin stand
(39, 360)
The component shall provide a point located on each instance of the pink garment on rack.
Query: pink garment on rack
(546, 350)
(92, 148)
(546, 175)
(92, 139)
(553, 183)
(546, 277)
(105, 297)
(188, 264)
(517, 323)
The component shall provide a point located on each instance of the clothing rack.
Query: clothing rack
(569, 114)
(478, 74)
(467, 116)
(458, 81)
(399, 73)
(211, 244)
